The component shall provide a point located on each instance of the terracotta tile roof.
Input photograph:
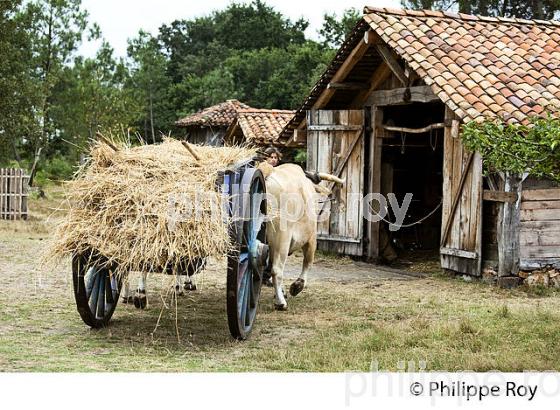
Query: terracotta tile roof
(222, 114)
(480, 67)
(263, 126)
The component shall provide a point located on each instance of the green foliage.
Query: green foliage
(334, 30)
(517, 148)
(55, 100)
(17, 90)
(543, 9)
(150, 85)
(55, 169)
(91, 97)
(301, 156)
(55, 33)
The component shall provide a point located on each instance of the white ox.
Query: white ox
(294, 222)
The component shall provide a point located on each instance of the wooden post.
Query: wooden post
(374, 179)
(508, 228)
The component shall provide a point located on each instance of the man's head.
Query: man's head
(272, 155)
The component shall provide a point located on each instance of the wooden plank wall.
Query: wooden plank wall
(465, 232)
(342, 230)
(13, 194)
(540, 228)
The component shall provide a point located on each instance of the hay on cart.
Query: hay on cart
(147, 207)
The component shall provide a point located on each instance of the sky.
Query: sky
(122, 19)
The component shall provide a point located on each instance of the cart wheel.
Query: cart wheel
(96, 290)
(247, 260)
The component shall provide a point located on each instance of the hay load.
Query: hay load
(121, 201)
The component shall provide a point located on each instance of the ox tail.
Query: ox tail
(329, 177)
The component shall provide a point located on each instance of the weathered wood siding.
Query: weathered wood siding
(461, 246)
(206, 135)
(335, 140)
(540, 228)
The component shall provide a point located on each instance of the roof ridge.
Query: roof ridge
(264, 110)
(455, 16)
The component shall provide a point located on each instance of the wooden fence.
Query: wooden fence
(13, 194)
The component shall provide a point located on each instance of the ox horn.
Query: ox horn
(329, 177)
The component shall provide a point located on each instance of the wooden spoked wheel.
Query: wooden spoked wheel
(247, 260)
(96, 289)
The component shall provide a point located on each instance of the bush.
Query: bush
(54, 170)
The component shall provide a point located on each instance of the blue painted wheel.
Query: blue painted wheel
(247, 260)
(96, 290)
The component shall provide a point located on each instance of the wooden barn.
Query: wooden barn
(209, 125)
(386, 115)
(257, 127)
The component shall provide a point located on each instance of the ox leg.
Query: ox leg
(189, 284)
(279, 257)
(140, 299)
(308, 257)
(178, 286)
(125, 293)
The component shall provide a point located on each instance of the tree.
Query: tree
(17, 93)
(151, 84)
(55, 33)
(240, 27)
(532, 9)
(334, 30)
(91, 97)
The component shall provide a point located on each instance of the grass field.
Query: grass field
(334, 325)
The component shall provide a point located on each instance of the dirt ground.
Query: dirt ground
(352, 316)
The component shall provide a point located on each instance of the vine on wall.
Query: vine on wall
(517, 148)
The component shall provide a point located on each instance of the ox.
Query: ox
(293, 224)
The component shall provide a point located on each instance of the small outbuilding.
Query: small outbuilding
(386, 116)
(209, 125)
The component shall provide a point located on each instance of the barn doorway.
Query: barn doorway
(412, 163)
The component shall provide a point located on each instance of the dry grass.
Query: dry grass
(121, 201)
(334, 325)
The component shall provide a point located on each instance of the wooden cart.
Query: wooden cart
(97, 288)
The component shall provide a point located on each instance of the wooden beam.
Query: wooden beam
(355, 55)
(348, 86)
(459, 252)
(374, 181)
(499, 196)
(422, 93)
(430, 127)
(541, 194)
(299, 136)
(334, 127)
(509, 228)
(379, 75)
(391, 60)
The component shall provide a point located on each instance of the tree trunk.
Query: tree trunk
(34, 167)
(16, 153)
(152, 117)
(508, 228)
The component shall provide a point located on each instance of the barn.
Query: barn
(208, 126)
(386, 115)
